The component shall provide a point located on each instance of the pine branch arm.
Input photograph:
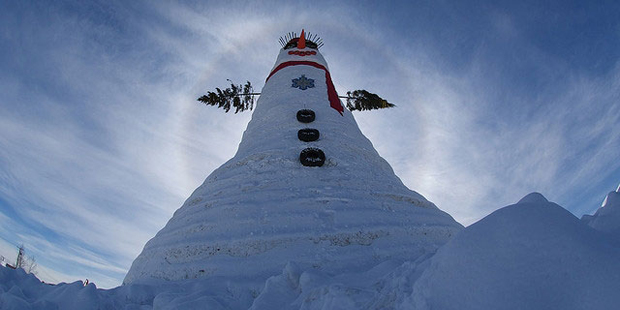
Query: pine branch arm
(362, 100)
(241, 97)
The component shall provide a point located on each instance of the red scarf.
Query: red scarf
(332, 95)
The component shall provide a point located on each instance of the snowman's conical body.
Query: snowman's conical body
(263, 208)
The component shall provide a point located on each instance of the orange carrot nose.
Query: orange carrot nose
(301, 43)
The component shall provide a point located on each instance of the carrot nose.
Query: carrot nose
(301, 43)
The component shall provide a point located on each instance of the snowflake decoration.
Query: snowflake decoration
(303, 82)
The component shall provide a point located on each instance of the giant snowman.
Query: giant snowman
(306, 186)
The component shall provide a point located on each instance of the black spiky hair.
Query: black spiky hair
(290, 40)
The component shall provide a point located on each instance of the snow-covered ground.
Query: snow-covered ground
(530, 255)
(607, 218)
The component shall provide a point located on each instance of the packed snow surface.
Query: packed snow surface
(530, 255)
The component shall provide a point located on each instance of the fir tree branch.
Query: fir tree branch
(362, 100)
(240, 97)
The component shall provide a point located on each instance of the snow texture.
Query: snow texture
(263, 209)
(531, 255)
(607, 217)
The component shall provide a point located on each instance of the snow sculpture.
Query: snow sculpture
(263, 208)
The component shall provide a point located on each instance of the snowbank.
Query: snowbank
(531, 255)
(21, 291)
(607, 217)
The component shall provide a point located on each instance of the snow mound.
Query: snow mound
(607, 217)
(384, 286)
(21, 291)
(533, 198)
(530, 255)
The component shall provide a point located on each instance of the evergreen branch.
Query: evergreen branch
(240, 97)
(362, 100)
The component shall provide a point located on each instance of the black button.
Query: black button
(308, 134)
(306, 116)
(312, 157)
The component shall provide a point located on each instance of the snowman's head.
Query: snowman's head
(300, 48)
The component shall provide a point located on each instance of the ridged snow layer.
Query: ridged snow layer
(262, 208)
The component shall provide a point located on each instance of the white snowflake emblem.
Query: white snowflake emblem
(303, 82)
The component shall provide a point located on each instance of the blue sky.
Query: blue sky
(101, 138)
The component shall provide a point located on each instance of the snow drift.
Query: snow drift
(607, 217)
(531, 255)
